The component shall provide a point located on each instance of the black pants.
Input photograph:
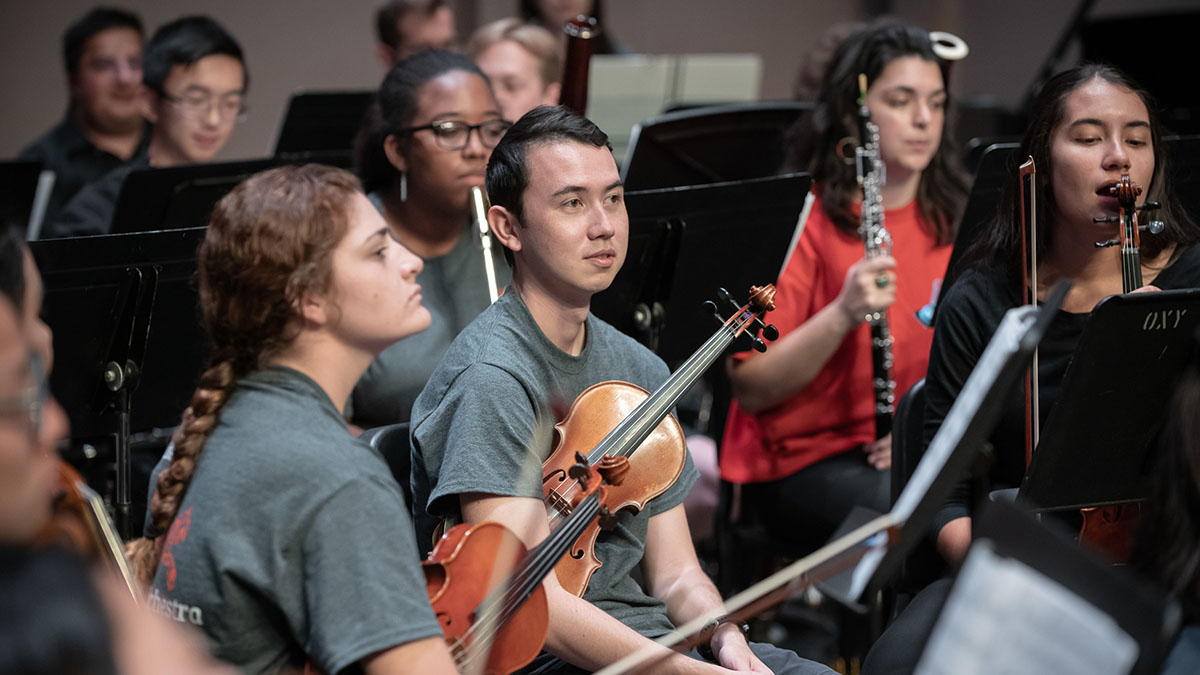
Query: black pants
(897, 651)
(805, 508)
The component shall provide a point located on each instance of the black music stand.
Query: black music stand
(686, 242)
(18, 190)
(710, 145)
(147, 194)
(970, 421)
(997, 168)
(1009, 534)
(127, 337)
(857, 563)
(320, 122)
(1094, 445)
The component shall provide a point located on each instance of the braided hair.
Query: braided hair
(269, 242)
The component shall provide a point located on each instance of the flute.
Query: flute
(479, 207)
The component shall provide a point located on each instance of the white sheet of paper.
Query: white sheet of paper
(1005, 618)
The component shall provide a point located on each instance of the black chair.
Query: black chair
(391, 441)
(907, 430)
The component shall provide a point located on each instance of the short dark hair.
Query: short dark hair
(97, 20)
(508, 168)
(183, 42)
(387, 19)
(394, 107)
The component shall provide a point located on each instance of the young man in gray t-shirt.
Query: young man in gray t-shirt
(483, 424)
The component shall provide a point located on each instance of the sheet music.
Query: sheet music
(1004, 617)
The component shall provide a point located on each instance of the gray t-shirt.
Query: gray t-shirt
(484, 423)
(455, 290)
(292, 539)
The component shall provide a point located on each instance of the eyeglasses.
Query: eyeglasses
(455, 135)
(198, 105)
(32, 400)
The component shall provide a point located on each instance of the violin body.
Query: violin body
(1110, 529)
(69, 525)
(653, 468)
(475, 560)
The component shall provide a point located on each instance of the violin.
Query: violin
(1110, 529)
(502, 626)
(621, 420)
(1126, 191)
(80, 522)
(574, 91)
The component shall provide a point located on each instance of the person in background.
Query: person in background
(432, 131)
(1167, 546)
(552, 14)
(1089, 125)
(300, 287)
(59, 613)
(195, 88)
(405, 27)
(801, 433)
(522, 61)
(103, 127)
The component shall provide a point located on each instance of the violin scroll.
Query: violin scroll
(762, 300)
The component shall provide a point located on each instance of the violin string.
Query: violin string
(532, 570)
(634, 424)
(629, 434)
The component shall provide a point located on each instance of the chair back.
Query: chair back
(391, 441)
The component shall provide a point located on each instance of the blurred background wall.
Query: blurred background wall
(327, 44)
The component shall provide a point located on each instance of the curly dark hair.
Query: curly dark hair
(942, 191)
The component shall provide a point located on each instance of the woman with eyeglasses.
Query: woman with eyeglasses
(430, 135)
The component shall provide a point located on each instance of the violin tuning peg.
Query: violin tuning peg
(1155, 226)
(724, 295)
(1150, 206)
(711, 307)
(770, 332)
(759, 345)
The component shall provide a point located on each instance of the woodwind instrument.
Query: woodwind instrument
(574, 91)
(479, 207)
(877, 241)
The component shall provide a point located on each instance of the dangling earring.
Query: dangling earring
(403, 187)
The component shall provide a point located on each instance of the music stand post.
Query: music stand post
(127, 342)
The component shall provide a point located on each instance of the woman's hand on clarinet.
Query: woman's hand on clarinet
(879, 453)
(870, 287)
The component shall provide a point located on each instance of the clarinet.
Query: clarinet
(871, 175)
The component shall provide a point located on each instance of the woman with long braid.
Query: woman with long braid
(281, 536)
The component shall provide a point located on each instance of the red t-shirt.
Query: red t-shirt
(835, 412)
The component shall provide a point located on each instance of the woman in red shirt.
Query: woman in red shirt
(802, 428)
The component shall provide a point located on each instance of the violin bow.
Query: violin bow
(1029, 264)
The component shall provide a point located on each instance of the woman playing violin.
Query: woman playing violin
(282, 537)
(802, 428)
(431, 133)
(1089, 125)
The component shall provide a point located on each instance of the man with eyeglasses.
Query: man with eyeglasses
(195, 84)
(103, 127)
